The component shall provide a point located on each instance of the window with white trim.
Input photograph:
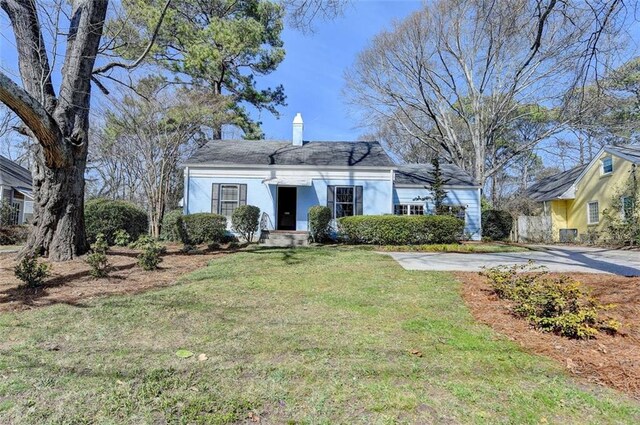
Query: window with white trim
(408, 209)
(229, 199)
(627, 207)
(607, 165)
(345, 201)
(15, 213)
(593, 212)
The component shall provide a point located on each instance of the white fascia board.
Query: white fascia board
(382, 169)
(612, 151)
(595, 159)
(290, 174)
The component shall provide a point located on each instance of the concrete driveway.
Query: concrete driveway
(555, 258)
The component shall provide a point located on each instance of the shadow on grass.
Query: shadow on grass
(28, 296)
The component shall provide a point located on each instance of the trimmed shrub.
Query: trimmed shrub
(6, 213)
(552, 304)
(13, 235)
(400, 230)
(121, 238)
(169, 231)
(496, 224)
(319, 223)
(149, 258)
(202, 228)
(98, 260)
(107, 217)
(31, 272)
(245, 221)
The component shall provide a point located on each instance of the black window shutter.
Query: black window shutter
(358, 210)
(215, 197)
(331, 192)
(243, 194)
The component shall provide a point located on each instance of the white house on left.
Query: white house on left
(16, 189)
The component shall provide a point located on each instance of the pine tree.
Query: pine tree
(438, 194)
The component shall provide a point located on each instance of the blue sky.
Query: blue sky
(312, 72)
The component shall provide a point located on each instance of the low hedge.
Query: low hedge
(13, 235)
(320, 223)
(496, 224)
(400, 230)
(202, 228)
(246, 221)
(169, 231)
(107, 217)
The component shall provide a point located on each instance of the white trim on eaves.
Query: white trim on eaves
(608, 149)
(300, 174)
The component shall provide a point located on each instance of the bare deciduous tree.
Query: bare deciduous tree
(456, 74)
(144, 139)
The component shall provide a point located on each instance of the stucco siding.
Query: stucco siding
(467, 197)
(594, 186)
(558, 212)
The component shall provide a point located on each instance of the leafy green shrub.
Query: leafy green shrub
(6, 213)
(245, 221)
(97, 259)
(121, 238)
(319, 223)
(202, 228)
(30, 271)
(553, 304)
(149, 258)
(496, 224)
(400, 230)
(13, 235)
(169, 231)
(107, 217)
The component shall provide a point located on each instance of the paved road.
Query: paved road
(555, 258)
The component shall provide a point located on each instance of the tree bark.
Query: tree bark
(59, 124)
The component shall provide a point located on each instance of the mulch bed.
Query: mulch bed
(607, 360)
(71, 283)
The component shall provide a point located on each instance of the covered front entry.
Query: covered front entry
(287, 201)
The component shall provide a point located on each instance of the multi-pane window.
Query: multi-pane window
(593, 213)
(344, 201)
(408, 209)
(229, 199)
(607, 165)
(627, 207)
(15, 213)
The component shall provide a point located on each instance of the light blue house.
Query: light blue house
(285, 178)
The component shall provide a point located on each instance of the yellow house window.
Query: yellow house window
(607, 165)
(593, 212)
(627, 207)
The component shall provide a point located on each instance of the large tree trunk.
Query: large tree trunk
(60, 124)
(57, 227)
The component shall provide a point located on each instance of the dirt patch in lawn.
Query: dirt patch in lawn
(608, 360)
(71, 283)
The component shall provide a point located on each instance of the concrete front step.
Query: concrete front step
(282, 238)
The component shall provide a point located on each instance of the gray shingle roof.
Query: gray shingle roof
(14, 175)
(554, 186)
(422, 174)
(630, 152)
(263, 152)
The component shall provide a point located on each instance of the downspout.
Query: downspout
(185, 206)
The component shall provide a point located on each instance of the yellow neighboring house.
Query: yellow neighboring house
(577, 199)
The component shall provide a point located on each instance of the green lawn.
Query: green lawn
(463, 248)
(318, 335)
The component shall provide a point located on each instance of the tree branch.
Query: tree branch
(144, 54)
(36, 118)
